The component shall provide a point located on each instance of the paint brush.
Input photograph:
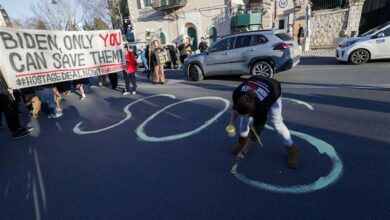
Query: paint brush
(257, 136)
(234, 169)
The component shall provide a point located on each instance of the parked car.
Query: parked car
(374, 44)
(255, 52)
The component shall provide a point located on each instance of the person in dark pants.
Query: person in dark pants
(203, 45)
(301, 34)
(9, 107)
(46, 95)
(148, 60)
(1, 120)
(129, 73)
(113, 80)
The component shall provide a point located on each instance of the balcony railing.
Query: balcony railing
(247, 15)
(328, 4)
(168, 4)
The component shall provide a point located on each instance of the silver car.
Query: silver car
(256, 53)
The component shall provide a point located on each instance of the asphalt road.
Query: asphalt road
(164, 154)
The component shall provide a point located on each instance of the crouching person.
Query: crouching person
(255, 101)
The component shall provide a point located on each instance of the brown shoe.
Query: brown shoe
(293, 156)
(240, 144)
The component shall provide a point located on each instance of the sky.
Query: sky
(17, 8)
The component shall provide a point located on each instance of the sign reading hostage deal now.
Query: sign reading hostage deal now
(37, 57)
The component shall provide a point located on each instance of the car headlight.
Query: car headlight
(348, 44)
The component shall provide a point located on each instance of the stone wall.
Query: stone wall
(328, 27)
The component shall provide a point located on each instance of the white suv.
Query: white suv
(254, 52)
(374, 44)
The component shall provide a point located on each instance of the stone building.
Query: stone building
(171, 21)
(328, 26)
(4, 19)
(325, 22)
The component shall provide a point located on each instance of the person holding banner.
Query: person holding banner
(11, 113)
(79, 84)
(129, 73)
(46, 95)
(159, 76)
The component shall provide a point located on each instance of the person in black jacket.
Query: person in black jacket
(203, 45)
(257, 100)
(8, 106)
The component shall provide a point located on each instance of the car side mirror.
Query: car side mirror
(380, 35)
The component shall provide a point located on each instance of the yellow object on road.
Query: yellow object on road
(230, 130)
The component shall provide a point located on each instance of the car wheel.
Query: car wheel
(359, 56)
(263, 69)
(195, 73)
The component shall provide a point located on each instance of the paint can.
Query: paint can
(231, 131)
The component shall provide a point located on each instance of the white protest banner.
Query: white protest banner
(38, 57)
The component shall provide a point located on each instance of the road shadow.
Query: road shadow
(344, 86)
(344, 102)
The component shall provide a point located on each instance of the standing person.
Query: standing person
(129, 73)
(148, 55)
(1, 119)
(143, 59)
(46, 95)
(290, 30)
(257, 100)
(113, 77)
(185, 50)
(301, 34)
(102, 80)
(203, 45)
(159, 76)
(11, 113)
(79, 84)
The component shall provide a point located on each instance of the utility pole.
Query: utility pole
(275, 10)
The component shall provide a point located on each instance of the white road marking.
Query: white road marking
(320, 183)
(143, 136)
(36, 201)
(6, 189)
(40, 179)
(78, 130)
(310, 107)
(58, 126)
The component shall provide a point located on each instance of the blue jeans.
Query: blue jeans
(47, 95)
(145, 63)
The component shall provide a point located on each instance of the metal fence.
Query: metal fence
(328, 4)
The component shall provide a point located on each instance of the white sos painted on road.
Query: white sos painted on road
(140, 131)
(320, 145)
(320, 183)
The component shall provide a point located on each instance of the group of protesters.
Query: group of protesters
(47, 98)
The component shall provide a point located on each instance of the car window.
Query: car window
(224, 44)
(284, 36)
(258, 39)
(387, 32)
(243, 41)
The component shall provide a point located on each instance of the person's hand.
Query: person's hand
(240, 156)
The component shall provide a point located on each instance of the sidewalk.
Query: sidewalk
(319, 53)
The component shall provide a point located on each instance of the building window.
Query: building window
(143, 3)
(192, 33)
(163, 38)
(212, 35)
